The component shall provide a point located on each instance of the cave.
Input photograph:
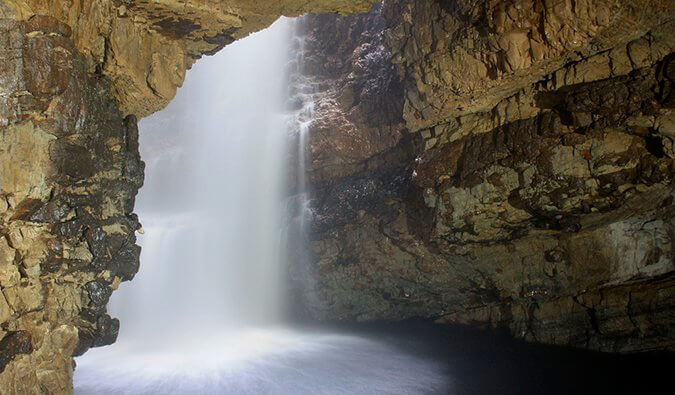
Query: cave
(414, 197)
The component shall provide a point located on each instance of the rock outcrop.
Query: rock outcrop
(532, 187)
(73, 78)
(70, 169)
(145, 46)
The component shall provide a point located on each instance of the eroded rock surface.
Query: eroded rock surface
(532, 186)
(70, 171)
(145, 46)
(358, 97)
(494, 163)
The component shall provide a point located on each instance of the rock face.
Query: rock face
(70, 171)
(494, 163)
(73, 77)
(145, 46)
(530, 185)
(358, 97)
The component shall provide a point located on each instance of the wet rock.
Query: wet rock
(495, 163)
(100, 330)
(126, 262)
(144, 49)
(71, 86)
(63, 186)
(556, 255)
(107, 331)
(358, 96)
(98, 292)
(12, 344)
(467, 57)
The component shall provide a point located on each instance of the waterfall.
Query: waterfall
(205, 312)
(300, 113)
(211, 252)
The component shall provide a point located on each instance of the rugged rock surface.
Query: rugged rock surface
(73, 77)
(461, 59)
(499, 163)
(534, 190)
(358, 97)
(145, 46)
(70, 169)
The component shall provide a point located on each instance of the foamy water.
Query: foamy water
(262, 361)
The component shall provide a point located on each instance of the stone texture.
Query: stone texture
(144, 46)
(535, 188)
(495, 163)
(357, 96)
(464, 57)
(69, 171)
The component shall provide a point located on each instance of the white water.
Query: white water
(203, 314)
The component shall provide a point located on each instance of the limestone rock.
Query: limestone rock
(357, 100)
(462, 57)
(495, 163)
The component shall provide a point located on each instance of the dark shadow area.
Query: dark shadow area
(492, 362)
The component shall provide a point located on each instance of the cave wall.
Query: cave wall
(144, 46)
(527, 183)
(74, 76)
(70, 169)
(489, 163)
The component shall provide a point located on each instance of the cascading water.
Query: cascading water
(204, 313)
(211, 244)
(300, 105)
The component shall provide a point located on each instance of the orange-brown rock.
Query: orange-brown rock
(145, 46)
(533, 187)
(70, 169)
